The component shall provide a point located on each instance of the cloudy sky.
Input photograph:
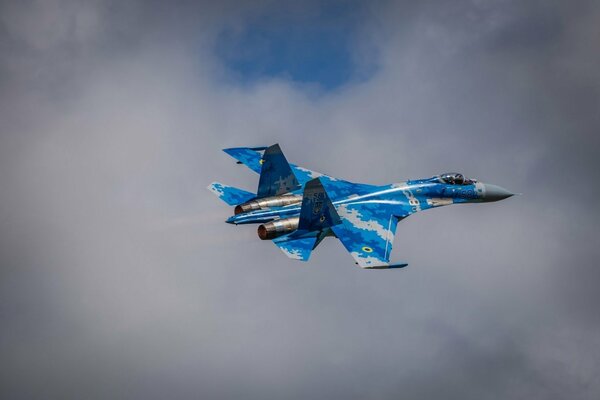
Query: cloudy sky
(119, 279)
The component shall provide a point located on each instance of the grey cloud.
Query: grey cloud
(119, 278)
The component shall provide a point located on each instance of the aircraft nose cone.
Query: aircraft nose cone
(495, 193)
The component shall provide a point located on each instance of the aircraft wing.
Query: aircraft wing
(365, 228)
(367, 232)
(253, 159)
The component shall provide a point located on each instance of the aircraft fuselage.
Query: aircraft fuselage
(406, 198)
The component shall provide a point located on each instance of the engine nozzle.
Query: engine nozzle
(266, 202)
(277, 228)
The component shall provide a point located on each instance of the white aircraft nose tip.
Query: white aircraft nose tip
(495, 193)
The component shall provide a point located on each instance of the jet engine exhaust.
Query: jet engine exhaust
(277, 228)
(266, 202)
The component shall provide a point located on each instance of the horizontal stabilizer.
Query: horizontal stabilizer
(249, 156)
(253, 159)
(229, 194)
(298, 249)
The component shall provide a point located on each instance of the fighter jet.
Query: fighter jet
(297, 208)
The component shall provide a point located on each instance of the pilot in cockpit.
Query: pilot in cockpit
(455, 178)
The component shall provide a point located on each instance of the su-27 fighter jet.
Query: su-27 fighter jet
(297, 208)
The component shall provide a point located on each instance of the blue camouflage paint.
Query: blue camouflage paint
(253, 160)
(363, 217)
(316, 212)
(296, 248)
(246, 156)
(367, 231)
(276, 176)
(230, 194)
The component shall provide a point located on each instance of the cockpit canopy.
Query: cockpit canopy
(454, 178)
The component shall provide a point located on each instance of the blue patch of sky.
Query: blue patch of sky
(310, 44)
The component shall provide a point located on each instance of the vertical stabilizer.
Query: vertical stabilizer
(317, 212)
(276, 175)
